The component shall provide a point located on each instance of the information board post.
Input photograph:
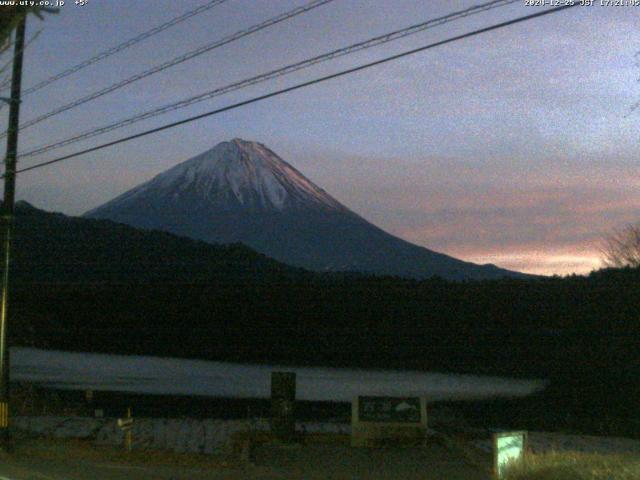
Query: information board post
(283, 397)
(126, 425)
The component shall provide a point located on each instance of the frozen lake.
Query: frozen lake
(157, 375)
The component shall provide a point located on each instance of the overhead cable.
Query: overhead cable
(6, 83)
(124, 45)
(175, 61)
(372, 42)
(299, 86)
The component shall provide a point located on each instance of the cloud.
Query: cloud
(546, 217)
(542, 230)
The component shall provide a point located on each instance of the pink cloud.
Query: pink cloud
(552, 226)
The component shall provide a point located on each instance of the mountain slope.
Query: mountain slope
(241, 191)
(54, 248)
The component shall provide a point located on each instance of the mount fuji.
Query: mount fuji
(241, 191)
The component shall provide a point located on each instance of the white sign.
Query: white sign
(508, 447)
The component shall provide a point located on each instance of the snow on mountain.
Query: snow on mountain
(232, 174)
(241, 191)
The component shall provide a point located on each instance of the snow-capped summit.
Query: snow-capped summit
(233, 175)
(241, 191)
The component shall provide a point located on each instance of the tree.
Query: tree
(10, 16)
(622, 248)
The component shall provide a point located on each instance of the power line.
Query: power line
(301, 85)
(7, 83)
(29, 42)
(124, 45)
(372, 42)
(175, 61)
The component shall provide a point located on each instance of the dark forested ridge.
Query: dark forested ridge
(97, 286)
(55, 248)
(521, 328)
(77, 279)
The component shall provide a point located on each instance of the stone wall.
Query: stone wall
(207, 436)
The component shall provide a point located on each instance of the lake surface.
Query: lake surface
(172, 376)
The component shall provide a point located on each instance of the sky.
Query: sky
(517, 147)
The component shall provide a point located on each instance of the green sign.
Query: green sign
(389, 409)
(508, 447)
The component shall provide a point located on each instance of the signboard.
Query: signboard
(389, 409)
(377, 421)
(508, 447)
(125, 423)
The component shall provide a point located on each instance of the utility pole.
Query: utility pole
(7, 219)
